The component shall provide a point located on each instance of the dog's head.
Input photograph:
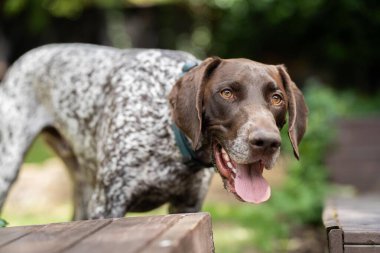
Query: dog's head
(236, 108)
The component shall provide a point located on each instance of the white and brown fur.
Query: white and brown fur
(105, 111)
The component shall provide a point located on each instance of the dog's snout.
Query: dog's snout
(265, 141)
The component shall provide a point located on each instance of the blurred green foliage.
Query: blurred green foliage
(337, 40)
(360, 105)
(3, 223)
(38, 152)
(59, 8)
(73, 8)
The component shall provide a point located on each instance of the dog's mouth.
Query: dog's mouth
(246, 181)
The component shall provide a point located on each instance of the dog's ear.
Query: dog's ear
(186, 99)
(297, 110)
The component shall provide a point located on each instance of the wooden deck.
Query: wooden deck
(161, 234)
(353, 224)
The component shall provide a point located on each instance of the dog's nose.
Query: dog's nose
(265, 141)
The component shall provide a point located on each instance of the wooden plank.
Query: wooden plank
(356, 153)
(53, 237)
(356, 172)
(367, 237)
(125, 235)
(170, 233)
(355, 133)
(353, 224)
(335, 240)
(10, 234)
(351, 137)
(359, 213)
(361, 248)
(192, 233)
(366, 135)
(358, 218)
(329, 215)
(363, 203)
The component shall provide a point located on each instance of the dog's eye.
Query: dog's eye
(226, 93)
(276, 99)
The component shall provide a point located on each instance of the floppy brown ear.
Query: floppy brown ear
(186, 100)
(297, 110)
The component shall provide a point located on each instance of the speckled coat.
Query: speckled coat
(105, 111)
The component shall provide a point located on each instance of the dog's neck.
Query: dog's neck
(193, 159)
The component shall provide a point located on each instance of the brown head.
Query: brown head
(233, 110)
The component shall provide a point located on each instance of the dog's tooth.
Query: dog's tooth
(234, 170)
(226, 157)
(224, 151)
(229, 165)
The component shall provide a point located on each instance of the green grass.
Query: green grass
(61, 213)
(38, 152)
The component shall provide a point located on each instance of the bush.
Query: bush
(3, 223)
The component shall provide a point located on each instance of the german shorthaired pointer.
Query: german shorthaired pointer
(119, 119)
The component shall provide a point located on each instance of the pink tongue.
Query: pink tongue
(250, 184)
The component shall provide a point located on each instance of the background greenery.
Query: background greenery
(330, 48)
(334, 40)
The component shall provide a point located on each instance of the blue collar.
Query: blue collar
(188, 66)
(189, 157)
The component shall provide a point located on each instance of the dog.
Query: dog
(136, 131)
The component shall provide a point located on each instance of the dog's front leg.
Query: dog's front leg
(108, 201)
(190, 200)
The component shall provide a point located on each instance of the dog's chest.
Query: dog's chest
(137, 122)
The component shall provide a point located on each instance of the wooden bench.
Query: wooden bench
(162, 234)
(353, 224)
